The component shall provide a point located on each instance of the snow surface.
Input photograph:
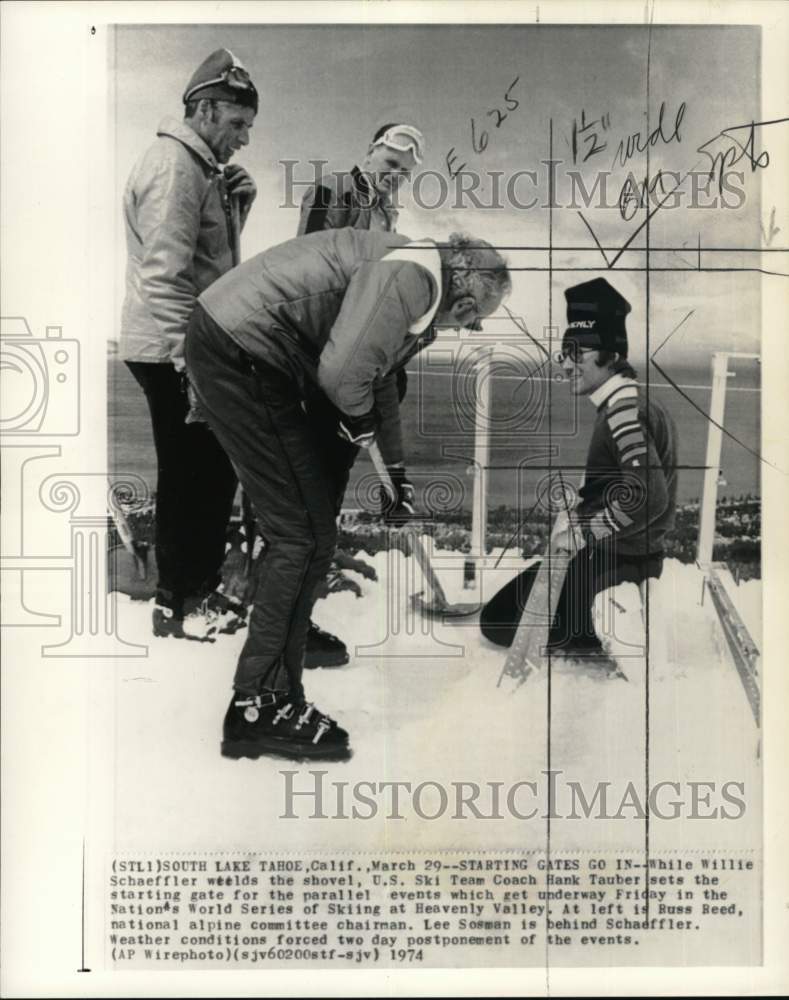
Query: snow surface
(421, 703)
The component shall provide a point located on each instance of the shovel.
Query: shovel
(438, 605)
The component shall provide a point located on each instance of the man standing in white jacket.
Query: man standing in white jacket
(179, 237)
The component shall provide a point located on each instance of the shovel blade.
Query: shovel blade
(438, 609)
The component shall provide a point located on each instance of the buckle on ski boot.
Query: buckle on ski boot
(284, 713)
(252, 705)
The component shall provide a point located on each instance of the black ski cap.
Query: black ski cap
(596, 316)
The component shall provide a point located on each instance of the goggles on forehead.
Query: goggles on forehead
(405, 139)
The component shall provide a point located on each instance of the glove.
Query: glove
(400, 510)
(567, 535)
(358, 430)
(239, 184)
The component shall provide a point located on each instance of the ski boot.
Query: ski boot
(324, 649)
(224, 614)
(257, 725)
(168, 623)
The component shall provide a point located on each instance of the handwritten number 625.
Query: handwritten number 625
(480, 144)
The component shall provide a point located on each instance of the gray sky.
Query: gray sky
(324, 90)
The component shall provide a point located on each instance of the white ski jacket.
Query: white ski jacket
(177, 238)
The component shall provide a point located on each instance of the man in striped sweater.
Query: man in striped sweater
(627, 502)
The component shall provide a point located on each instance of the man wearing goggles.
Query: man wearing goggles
(626, 505)
(179, 236)
(395, 152)
(364, 197)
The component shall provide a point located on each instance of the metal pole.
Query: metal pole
(709, 493)
(479, 509)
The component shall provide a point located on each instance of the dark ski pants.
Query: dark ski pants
(591, 571)
(339, 455)
(194, 490)
(256, 413)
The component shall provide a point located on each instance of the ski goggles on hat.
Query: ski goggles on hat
(405, 139)
(235, 76)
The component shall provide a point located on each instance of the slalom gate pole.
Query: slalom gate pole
(744, 651)
(479, 503)
(709, 494)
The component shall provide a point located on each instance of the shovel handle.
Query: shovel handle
(381, 469)
(414, 541)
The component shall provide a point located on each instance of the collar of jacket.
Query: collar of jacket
(175, 129)
(609, 387)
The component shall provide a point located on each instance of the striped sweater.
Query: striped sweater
(629, 494)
